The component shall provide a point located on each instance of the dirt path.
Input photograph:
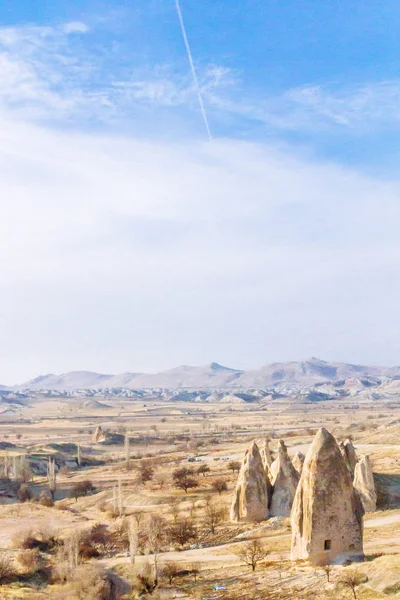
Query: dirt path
(381, 521)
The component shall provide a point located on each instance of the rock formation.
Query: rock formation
(327, 511)
(252, 493)
(266, 454)
(284, 483)
(364, 483)
(298, 461)
(349, 454)
(98, 435)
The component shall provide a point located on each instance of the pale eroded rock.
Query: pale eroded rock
(284, 483)
(327, 524)
(252, 494)
(364, 483)
(298, 461)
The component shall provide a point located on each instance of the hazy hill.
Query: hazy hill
(295, 373)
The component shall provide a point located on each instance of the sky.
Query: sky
(131, 242)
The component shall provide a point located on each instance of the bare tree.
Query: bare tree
(51, 476)
(203, 469)
(214, 515)
(173, 508)
(120, 498)
(127, 452)
(234, 465)
(252, 553)
(146, 471)
(155, 535)
(138, 516)
(327, 570)
(183, 479)
(170, 570)
(219, 485)
(182, 532)
(351, 579)
(79, 455)
(133, 539)
(195, 569)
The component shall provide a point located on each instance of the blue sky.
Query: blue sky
(132, 243)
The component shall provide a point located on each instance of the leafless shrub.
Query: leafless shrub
(29, 560)
(351, 579)
(170, 570)
(24, 493)
(252, 553)
(6, 567)
(90, 583)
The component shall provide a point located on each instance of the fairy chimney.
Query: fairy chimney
(284, 483)
(349, 454)
(252, 494)
(327, 524)
(266, 454)
(298, 461)
(364, 483)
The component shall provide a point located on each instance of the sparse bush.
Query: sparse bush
(24, 493)
(219, 485)
(81, 489)
(29, 560)
(182, 532)
(146, 471)
(203, 469)
(7, 570)
(45, 498)
(90, 583)
(234, 465)
(170, 570)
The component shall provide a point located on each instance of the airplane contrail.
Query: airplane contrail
(196, 81)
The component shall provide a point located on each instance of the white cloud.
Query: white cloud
(75, 27)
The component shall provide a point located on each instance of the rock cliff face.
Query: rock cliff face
(298, 461)
(252, 494)
(284, 483)
(327, 512)
(364, 483)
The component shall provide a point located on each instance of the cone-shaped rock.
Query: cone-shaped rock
(349, 454)
(266, 454)
(327, 512)
(252, 493)
(284, 483)
(298, 461)
(364, 483)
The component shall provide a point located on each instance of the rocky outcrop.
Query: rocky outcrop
(284, 483)
(327, 524)
(349, 454)
(266, 454)
(298, 461)
(99, 435)
(364, 483)
(252, 494)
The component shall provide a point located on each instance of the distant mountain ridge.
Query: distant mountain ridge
(214, 375)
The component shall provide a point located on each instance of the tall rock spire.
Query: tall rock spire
(327, 512)
(284, 483)
(364, 483)
(252, 494)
